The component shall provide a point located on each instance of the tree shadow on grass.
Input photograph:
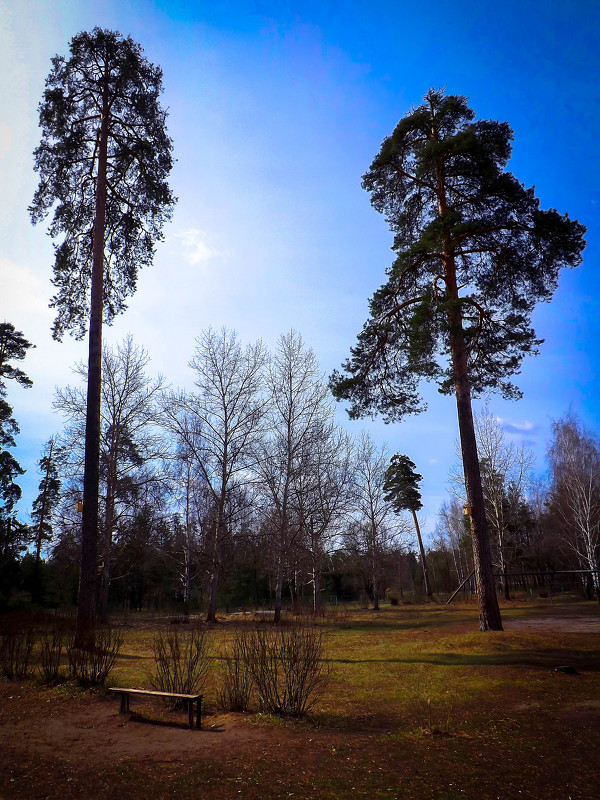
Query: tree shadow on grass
(539, 659)
(133, 657)
(418, 623)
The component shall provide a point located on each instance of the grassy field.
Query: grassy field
(419, 705)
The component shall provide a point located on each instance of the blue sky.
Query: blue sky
(276, 110)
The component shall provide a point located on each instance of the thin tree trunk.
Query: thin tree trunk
(506, 583)
(400, 578)
(211, 613)
(316, 585)
(422, 551)
(468, 578)
(278, 588)
(447, 587)
(86, 605)
(109, 522)
(374, 575)
(281, 541)
(187, 547)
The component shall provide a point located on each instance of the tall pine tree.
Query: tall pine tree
(103, 160)
(474, 254)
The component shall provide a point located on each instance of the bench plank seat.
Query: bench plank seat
(190, 699)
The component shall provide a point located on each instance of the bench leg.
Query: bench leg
(198, 712)
(190, 705)
(124, 702)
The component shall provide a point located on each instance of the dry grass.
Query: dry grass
(420, 706)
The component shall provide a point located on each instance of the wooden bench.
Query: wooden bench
(190, 699)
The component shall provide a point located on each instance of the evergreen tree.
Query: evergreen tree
(43, 507)
(103, 160)
(401, 487)
(13, 346)
(474, 253)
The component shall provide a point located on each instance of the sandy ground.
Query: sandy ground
(91, 727)
(566, 624)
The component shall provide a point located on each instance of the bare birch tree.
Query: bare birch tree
(298, 403)
(131, 443)
(574, 456)
(374, 514)
(323, 497)
(221, 426)
(505, 468)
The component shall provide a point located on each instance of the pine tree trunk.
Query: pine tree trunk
(86, 605)
(489, 610)
(422, 551)
(40, 531)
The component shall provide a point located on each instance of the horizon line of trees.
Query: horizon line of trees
(246, 492)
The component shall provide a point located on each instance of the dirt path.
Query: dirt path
(569, 623)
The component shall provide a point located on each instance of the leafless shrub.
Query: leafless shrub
(91, 665)
(17, 639)
(181, 661)
(237, 682)
(53, 640)
(287, 668)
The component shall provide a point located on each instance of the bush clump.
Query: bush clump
(181, 661)
(17, 639)
(92, 663)
(236, 693)
(53, 641)
(286, 667)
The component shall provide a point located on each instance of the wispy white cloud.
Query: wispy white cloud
(518, 427)
(195, 247)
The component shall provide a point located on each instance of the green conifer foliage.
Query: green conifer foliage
(103, 160)
(474, 253)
